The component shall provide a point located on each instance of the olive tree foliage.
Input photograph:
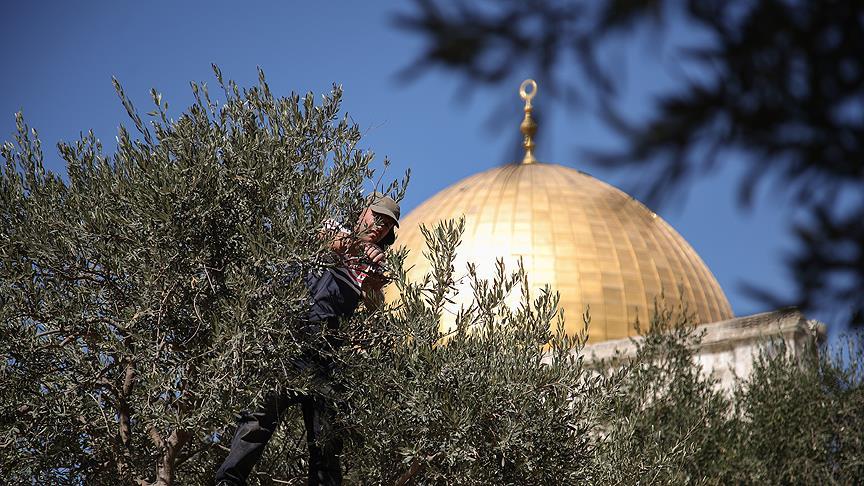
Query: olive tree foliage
(500, 397)
(505, 397)
(668, 419)
(148, 296)
(795, 419)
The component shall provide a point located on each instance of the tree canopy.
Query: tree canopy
(145, 298)
(151, 294)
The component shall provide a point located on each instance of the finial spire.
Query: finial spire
(528, 126)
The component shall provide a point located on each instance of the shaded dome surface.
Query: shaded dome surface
(594, 244)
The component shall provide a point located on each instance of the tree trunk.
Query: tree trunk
(124, 417)
(175, 442)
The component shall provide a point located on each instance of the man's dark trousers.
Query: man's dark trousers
(332, 299)
(255, 430)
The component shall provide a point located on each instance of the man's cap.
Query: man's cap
(384, 204)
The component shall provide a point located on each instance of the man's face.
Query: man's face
(373, 226)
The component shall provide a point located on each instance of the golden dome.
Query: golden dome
(591, 242)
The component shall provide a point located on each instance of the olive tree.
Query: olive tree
(147, 296)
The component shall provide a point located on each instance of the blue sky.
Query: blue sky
(59, 57)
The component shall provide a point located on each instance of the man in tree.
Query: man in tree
(335, 293)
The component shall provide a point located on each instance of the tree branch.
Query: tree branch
(412, 471)
(123, 409)
(173, 446)
(124, 416)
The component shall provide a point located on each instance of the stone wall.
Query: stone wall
(728, 347)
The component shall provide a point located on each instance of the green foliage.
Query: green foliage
(498, 399)
(501, 399)
(799, 419)
(148, 298)
(668, 421)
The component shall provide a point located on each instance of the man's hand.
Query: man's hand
(373, 252)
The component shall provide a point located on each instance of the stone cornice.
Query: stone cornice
(788, 324)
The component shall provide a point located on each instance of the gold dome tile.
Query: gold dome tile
(591, 242)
